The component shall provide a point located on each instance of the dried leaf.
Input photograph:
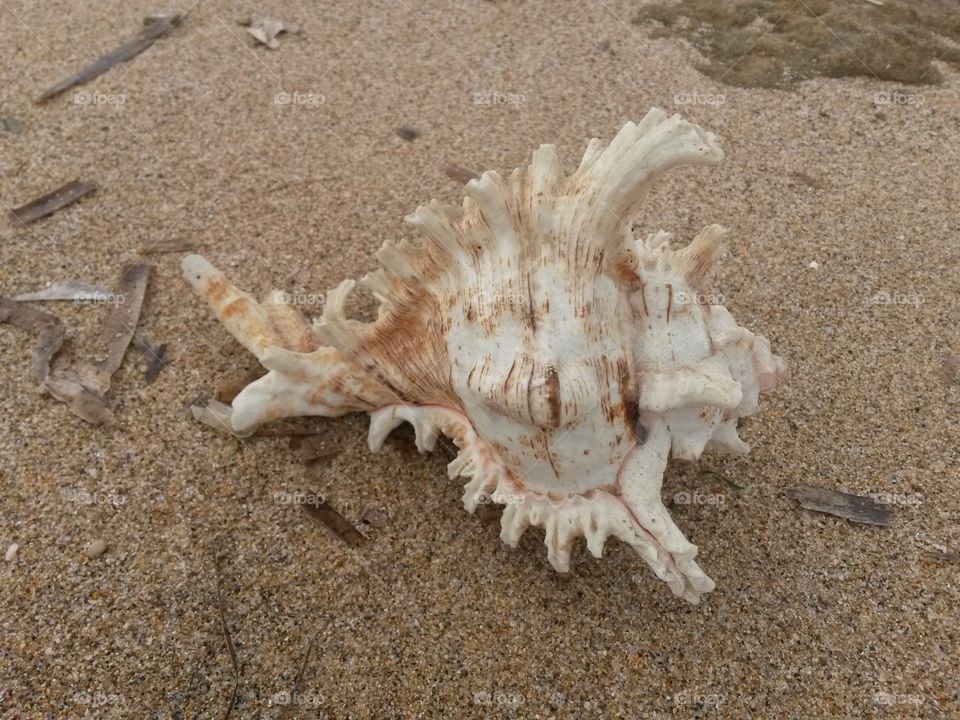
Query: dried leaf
(154, 28)
(83, 386)
(461, 175)
(81, 401)
(50, 333)
(835, 502)
(217, 415)
(948, 556)
(325, 515)
(121, 324)
(951, 369)
(67, 290)
(51, 202)
(266, 31)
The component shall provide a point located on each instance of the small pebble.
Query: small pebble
(813, 264)
(408, 133)
(95, 548)
(11, 124)
(11, 552)
(375, 517)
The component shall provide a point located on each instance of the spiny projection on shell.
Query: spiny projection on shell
(565, 358)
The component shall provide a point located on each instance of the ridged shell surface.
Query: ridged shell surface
(566, 358)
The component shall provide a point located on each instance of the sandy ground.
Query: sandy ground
(433, 616)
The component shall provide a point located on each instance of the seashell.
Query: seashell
(565, 358)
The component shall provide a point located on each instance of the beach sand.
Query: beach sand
(283, 167)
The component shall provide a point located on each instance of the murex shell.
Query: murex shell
(565, 357)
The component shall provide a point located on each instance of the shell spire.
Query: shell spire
(581, 216)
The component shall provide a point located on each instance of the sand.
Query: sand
(832, 199)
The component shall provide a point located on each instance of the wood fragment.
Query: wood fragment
(323, 514)
(949, 556)
(51, 202)
(157, 359)
(295, 434)
(229, 643)
(460, 174)
(172, 245)
(50, 333)
(951, 369)
(856, 508)
(722, 478)
(314, 447)
(298, 680)
(157, 27)
(806, 179)
(68, 290)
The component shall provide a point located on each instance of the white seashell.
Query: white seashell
(565, 358)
